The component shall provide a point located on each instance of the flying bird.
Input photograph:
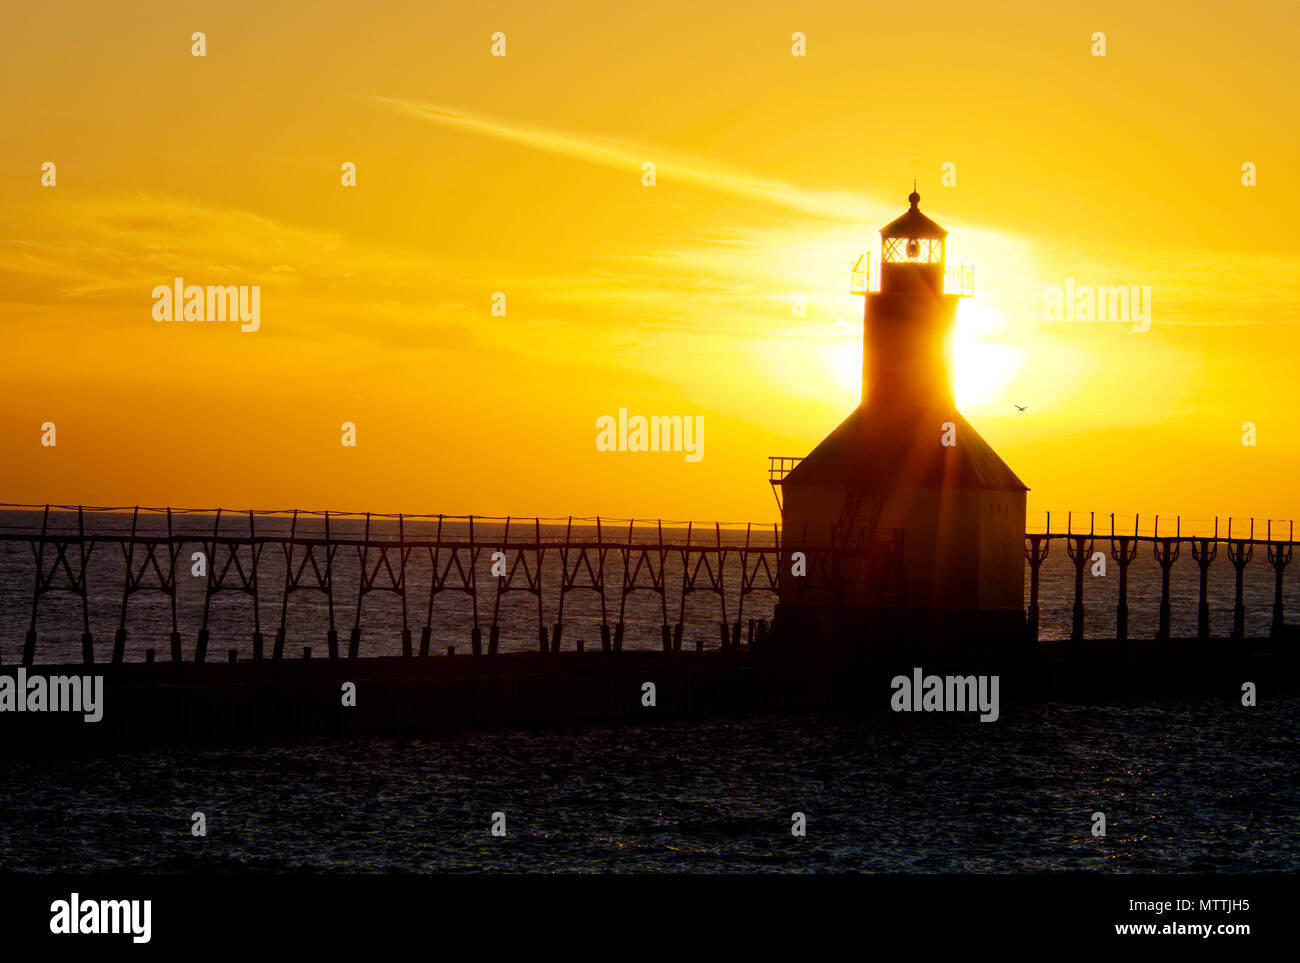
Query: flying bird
(1020, 407)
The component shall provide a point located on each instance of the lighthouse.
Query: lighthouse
(903, 522)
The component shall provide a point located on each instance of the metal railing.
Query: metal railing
(864, 277)
(959, 279)
(779, 466)
(272, 557)
(1204, 544)
(414, 561)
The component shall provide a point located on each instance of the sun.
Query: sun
(983, 367)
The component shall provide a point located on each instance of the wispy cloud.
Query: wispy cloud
(842, 206)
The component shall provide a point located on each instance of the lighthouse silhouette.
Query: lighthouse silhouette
(910, 525)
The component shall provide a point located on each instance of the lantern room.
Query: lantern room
(912, 250)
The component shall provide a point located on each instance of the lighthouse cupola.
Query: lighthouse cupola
(909, 321)
(911, 253)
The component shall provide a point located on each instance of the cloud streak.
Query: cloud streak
(841, 206)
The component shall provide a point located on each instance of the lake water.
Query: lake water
(1185, 787)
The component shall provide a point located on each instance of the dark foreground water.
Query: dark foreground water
(1186, 787)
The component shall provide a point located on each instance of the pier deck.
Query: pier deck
(410, 697)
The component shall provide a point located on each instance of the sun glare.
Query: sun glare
(983, 367)
(843, 358)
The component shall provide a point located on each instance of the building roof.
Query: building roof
(913, 223)
(891, 451)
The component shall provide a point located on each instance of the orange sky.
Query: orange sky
(522, 174)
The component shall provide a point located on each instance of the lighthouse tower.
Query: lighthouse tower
(909, 523)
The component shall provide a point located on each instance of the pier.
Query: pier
(484, 560)
(732, 661)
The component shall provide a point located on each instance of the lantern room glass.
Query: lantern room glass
(913, 250)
